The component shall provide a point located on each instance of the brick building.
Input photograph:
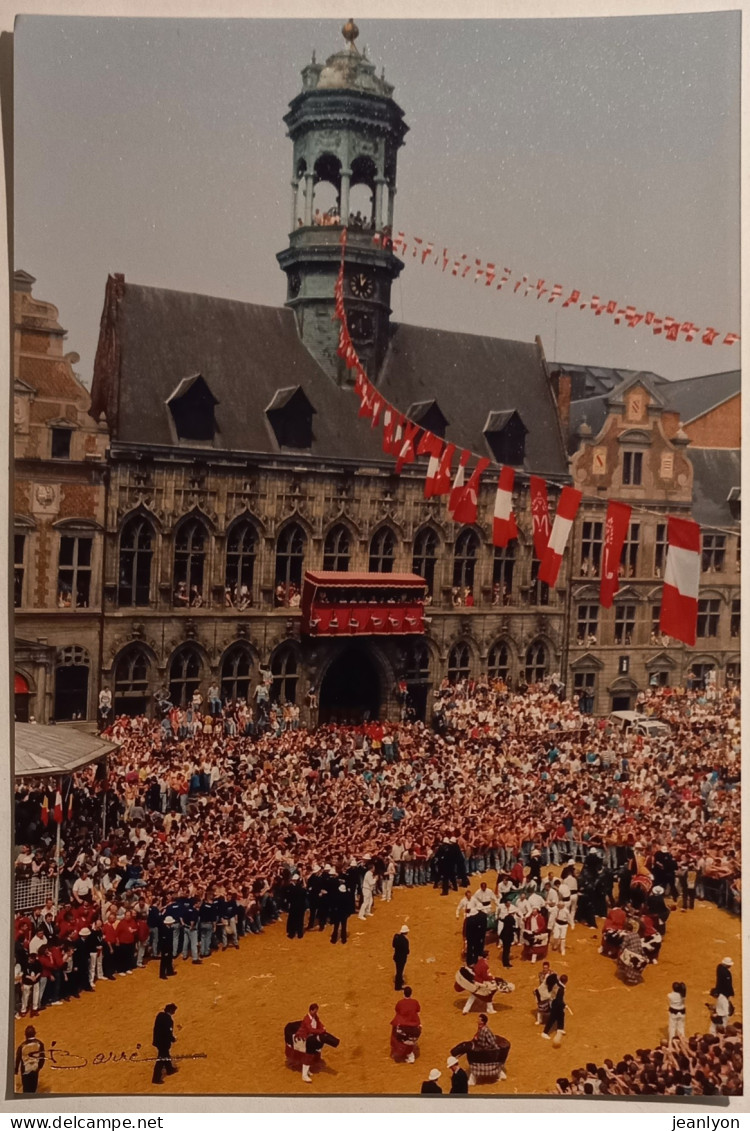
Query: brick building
(59, 492)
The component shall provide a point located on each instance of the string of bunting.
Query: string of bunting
(463, 266)
(403, 442)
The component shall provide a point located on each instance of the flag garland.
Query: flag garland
(679, 612)
(462, 266)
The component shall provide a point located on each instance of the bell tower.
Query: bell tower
(346, 130)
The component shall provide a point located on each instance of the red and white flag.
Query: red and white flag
(682, 575)
(466, 507)
(504, 521)
(406, 453)
(539, 515)
(567, 509)
(616, 529)
(57, 812)
(441, 483)
(458, 482)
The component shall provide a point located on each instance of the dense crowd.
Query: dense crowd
(221, 817)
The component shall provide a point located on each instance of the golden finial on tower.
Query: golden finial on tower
(350, 32)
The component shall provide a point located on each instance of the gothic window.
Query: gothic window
(498, 662)
(184, 676)
(425, 557)
(713, 551)
(588, 623)
(503, 566)
(71, 683)
(624, 624)
(536, 662)
(465, 559)
(708, 617)
(632, 468)
(290, 554)
(629, 555)
(284, 676)
(131, 679)
(336, 550)
(235, 673)
(734, 623)
(19, 568)
(74, 572)
(592, 539)
(382, 551)
(136, 554)
(459, 662)
(660, 549)
(539, 590)
(240, 565)
(190, 550)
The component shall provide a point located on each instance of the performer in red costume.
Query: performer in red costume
(406, 1027)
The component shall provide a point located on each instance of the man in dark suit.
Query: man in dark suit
(400, 954)
(430, 1087)
(459, 1079)
(162, 1040)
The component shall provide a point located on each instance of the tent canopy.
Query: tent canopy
(41, 750)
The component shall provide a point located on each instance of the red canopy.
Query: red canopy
(20, 686)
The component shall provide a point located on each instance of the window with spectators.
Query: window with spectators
(584, 690)
(660, 549)
(708, 616)
(465, 556)
(713, 551)
(498, 661)
(629, 555)
(624, 624)
(336, 550)
(592, 540)
(587, 623)
(503, 567)
(184, 676)
(190, 554)
(242, 545)
(136, 555)
(290, 556)
(74, 571)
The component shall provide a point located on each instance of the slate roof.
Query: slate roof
(716, 472)
(247, 353)
(593, 380)
(697, 395)
(40, 750)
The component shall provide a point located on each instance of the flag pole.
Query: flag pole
(58, 845)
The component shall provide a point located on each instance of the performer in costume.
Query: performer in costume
(486, 1053)
(406, 1027)
(535, 935)
(304, 1039)
(613, 930)
(480, 985)
(631, 961)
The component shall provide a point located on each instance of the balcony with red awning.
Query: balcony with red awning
(362, 604)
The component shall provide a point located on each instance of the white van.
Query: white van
(630, 722)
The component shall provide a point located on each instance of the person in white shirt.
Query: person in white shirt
(676, 1002)
(388, 880)
(720, 1013)
(369, 883)
(82, 888)
(484, 899)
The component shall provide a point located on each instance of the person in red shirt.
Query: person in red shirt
(406, 1027)
(310, 1026)
(109, 953)
(127, 931)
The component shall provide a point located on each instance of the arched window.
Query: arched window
(72, 683)
(465, 559)
(336, 549)
(290, 555)
(425, 557)
(235, 673)
(284, 673)
(238, 580)
(136, 554)
(131, 678)
(498, 662)
(536, 662)
(502, 574)
(327, 184)
(459, 662)
(190, 549)
(184, 676)
(382, 551)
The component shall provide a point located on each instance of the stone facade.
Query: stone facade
(59, 491)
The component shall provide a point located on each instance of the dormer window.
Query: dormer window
(505, 433)
(429, 415)
(192, 405)
(61, 443)
(290, 415)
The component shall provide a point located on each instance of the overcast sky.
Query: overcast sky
(602, 154)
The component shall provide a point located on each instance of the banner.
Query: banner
(616, 529)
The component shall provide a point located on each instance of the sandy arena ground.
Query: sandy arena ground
(233, 1008)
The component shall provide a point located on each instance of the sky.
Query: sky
(600, 153)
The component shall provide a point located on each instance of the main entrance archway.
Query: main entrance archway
(351, 691)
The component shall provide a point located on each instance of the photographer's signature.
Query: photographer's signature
(63, 1059)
